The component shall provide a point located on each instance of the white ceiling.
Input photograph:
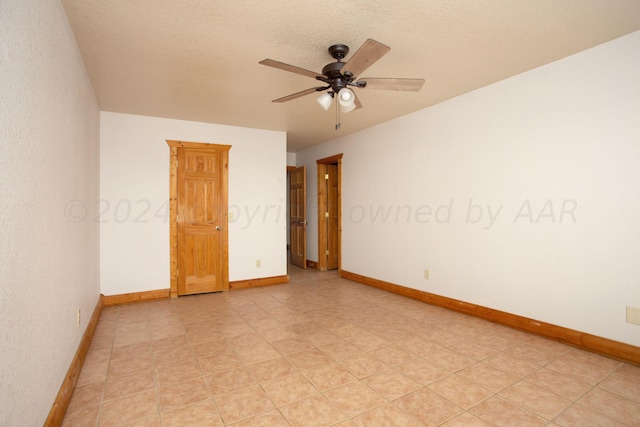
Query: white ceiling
(198, 59)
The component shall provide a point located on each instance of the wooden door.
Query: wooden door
(298, 216)
(332, 216)
(202, 220)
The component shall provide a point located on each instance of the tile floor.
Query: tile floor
(324, 351)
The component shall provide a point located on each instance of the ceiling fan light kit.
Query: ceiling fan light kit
(339, 75)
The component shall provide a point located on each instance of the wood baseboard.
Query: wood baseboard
(263, 281)
(312, 264)
(56, 414)
(136, 297)
(596, 344)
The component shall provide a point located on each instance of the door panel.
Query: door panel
(298, 216)
(332, 217)
(202, 221)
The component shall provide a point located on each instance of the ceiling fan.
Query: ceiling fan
(339, 76)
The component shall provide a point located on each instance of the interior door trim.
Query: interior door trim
(322, 208)
(173, 206)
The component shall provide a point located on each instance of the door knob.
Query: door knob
(217, 227)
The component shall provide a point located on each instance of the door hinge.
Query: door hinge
(326, 214)
(326, 252)
(177, 272)
(326, 176)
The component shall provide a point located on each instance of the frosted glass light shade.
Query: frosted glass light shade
(347, 108)
(325, 100)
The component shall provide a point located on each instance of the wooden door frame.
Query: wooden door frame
(322, 208)
(173, 210)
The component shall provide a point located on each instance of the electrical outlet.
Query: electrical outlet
(633, 315)
(78, 318)
(258, 263)
(426, 274)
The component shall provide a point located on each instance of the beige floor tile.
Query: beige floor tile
(94, 369)
(132, 351)
(273, 368)
(460, 391)
(204, 413)
(130, 384)
(308, 358)
(624, 381)
(583, 366)
(86, 395)
(466, 420)
(488, 377)
(178, 372)
(242, 404)
(339, 350)
(557, 383)
(163, 361)
(211, 348)
(312, 411)
(391, 384)
(258, 353)
(291, 345)
(418, 345)
(474, 350)
(536, 399)
(329, 376)
(86, 415)
(170, 356)
(129, 408)
(123, 367)
(388, 415)
(199, 336)
(422, 371)
(152, 421)
(220, 362)
(362, 365)
(354, 398)
(231, 380)
(512, 365)
(612, 406)
(450, 360)
(427, 407)
(578, 415)
(288, 389)
(184, 393)
(500, 412)
(367, 341)
(267, 419)
(392, 355)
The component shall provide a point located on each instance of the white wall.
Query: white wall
(49, 262)
(134, 194)
(552, 155)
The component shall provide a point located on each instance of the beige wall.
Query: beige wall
(134, 195)
(49, 131)
(523, 196)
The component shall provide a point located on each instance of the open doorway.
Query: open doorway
(329, 213)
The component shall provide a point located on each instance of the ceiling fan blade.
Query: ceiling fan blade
(413, 85)
(365, 56)
(299, 94)
(286, 67)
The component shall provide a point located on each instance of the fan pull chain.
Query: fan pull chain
(337, 115)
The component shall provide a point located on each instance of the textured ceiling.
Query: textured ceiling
(198, 59)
